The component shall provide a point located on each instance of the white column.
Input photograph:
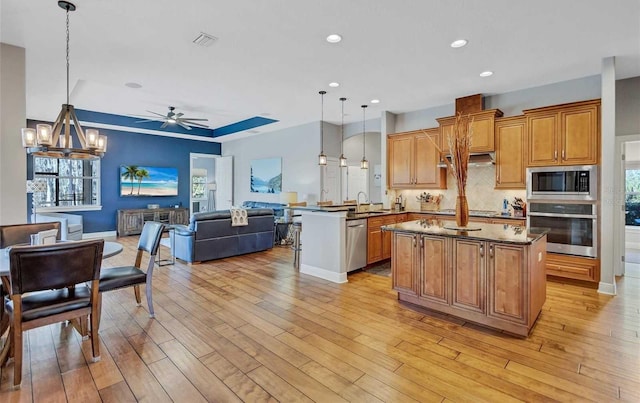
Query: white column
(13, 117)
(607, 192)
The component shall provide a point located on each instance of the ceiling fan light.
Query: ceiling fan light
(171, 120)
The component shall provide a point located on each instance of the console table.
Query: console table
(131, 221)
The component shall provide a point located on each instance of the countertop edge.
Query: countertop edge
(473, 235)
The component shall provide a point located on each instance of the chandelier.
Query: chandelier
(50, 141)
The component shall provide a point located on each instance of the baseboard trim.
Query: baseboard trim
(607, 288)
(323, 274)
(108, 235)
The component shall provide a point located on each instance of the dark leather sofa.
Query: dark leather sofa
(278, 208)
(210, 235)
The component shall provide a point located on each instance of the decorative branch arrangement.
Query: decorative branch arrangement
(459, 141)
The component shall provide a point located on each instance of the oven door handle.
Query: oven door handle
(591, 217)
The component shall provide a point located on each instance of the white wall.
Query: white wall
(628, 106)
(297, 146)
(13, 116)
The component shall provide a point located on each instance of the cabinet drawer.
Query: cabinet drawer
(510, 221)
(575, 267)
(375, 222)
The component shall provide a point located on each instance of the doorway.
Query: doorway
(211, 186)
(354, 181)
(627, 186)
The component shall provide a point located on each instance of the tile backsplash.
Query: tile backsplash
(481, 194)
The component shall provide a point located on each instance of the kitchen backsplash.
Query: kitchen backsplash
(481, 194)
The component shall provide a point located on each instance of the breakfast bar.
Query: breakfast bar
(491, 274)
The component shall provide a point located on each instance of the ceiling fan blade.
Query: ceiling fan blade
(193, 119)
(179, 114)
(157, 114)
(165, 124)
(148, 120)
(197, 125)
(183, 125)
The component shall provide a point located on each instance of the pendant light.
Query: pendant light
(343, 159)
(51, 141)
(322, 158)
(364, 164)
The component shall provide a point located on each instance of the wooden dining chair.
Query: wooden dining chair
(53, 283)
(133, 276)
(325, 203)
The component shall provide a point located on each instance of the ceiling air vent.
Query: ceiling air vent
(204, 39)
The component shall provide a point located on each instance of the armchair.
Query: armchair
(70, 224)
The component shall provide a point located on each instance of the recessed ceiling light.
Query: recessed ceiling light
(458, 43)
(334, 38)
(486, 73)
(375, 101)
(133, 85)
(334, 84)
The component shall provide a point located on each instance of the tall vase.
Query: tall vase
(462, 211)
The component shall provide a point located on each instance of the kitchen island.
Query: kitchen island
(494, 276)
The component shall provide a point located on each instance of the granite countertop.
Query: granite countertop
(503, 233)
(379, 213)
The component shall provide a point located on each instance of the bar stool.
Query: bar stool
(297, 229)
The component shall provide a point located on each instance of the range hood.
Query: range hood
(476, 160)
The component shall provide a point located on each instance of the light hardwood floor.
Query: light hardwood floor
(252, 329)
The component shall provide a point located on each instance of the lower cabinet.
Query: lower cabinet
(496, 284)
(573, 267)
(131, 221)
(378, 241)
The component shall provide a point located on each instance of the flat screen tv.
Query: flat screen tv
(139, 180)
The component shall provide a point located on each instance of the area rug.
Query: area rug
(381, 269)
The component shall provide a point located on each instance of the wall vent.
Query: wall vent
(204, 39)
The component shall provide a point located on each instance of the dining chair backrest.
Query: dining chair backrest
(150, 237)
(21, 233)
(46, 267)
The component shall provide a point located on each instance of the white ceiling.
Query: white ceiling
(271, 58)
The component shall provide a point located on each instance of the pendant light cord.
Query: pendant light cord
(342, 128)
(322, 121)
(364, 133)
(67, 8)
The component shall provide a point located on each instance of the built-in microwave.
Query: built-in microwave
(563, 183)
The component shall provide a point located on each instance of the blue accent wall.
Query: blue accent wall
(242, 125)
(128, 148)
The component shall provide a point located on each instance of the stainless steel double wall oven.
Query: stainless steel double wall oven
(565, 200)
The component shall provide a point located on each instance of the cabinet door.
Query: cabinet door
(180, 216)
(434, 283)
(400, 161)
(507, 278)
(542, 139)
(374, 240)
(468, 275)
(404, 274)
(580, 135)
(511, 153)
(131, 223)
(483, 134)
(387, 237)
(426, 156)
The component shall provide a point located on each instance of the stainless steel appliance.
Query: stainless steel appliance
(356, 244)
(563, 183)
(573, 227)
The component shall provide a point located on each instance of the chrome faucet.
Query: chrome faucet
(366, 199)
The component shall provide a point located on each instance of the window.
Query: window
(72, 184)
(198, 184)
(632, 196)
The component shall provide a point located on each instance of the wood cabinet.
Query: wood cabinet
(574, 267)
(413, 161)
(511, 152)
(566, 134)
(404, 273)
(482, 125)
(496, 284)
(131, 221)
(378, 241)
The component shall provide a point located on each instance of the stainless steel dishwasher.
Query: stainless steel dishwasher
(356, 244)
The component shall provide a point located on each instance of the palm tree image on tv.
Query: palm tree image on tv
(148, 181)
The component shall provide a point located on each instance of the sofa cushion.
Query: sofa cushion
(74, 228)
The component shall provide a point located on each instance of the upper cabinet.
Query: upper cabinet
(511, 152)
(413, 160)
(482, 126)
(564, 134)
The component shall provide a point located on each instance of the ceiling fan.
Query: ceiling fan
(172, 118)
